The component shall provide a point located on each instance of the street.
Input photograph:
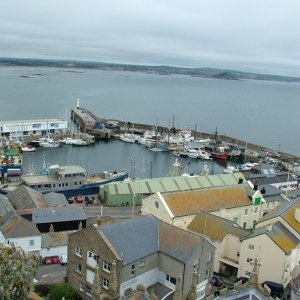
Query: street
(47, 274)
(114, 212)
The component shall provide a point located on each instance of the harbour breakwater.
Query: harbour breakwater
(101, 128)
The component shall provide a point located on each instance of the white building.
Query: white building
(19, 128)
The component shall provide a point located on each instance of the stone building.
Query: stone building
(138, 251)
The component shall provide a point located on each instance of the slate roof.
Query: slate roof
(58, 214)
(272, 193)
(270, 179)
(55, 239)
(16, 227)
(26, 198)
(5, 207)
(191, 202)
(133, 239)
(286, 211)
(55, 200)
(138, 238)
(215, 227)
(280, 235)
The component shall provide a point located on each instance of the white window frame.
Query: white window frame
(209, 257)
(142, 263)
(78, 267)
(105, 283)
(81, 286)
(246, 212)
(88, 290)
(251, 247)
(106, 266)
(78, 251)
(133, 270)
(31, 242)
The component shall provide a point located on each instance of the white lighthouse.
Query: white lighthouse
(77, 103)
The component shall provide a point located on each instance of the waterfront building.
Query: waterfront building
(20, 128)
(137, 251)
(132, 192)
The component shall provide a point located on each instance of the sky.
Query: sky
(248, 35)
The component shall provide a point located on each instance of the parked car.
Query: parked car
(276, 288)
(63, 259)
(216, 280)
(51, 260)
(78, 199)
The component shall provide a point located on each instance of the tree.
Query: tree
(17, 269)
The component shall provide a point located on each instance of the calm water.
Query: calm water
(265, 113)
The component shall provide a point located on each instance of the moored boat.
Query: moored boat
(28, 148)
(71, 180)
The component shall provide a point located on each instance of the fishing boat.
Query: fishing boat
(71, 180)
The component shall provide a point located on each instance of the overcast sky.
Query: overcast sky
(249, 35)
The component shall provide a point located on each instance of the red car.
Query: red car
(78, 199)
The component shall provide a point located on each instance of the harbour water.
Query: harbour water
(260, 112)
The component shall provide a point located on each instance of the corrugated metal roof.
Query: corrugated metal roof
(172, 184)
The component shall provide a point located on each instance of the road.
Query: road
(114, 212)
(54, 273)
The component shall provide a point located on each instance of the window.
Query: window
(31, 242)
(88, 290)
(249, 259)
(209, 257)
(247, 273)
(238, 254)
(78, 251)
(196, 264)
(106, 266)
(256, 210)
(245, 225)
(81, 286)
(246, 212)
(171, 279)
(200, 294)
(156, 204)
(133, 270)
(78, 267)
(12, 244)
(142, 263)
(105, 283)
(207, 272)
(250, 247)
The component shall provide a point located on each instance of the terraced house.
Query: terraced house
(138, 251)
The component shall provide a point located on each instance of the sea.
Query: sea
(260, 112)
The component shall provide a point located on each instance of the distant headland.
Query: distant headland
(162, 70)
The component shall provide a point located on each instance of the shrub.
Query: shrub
(59, 290)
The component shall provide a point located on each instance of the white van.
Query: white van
(63, 259)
